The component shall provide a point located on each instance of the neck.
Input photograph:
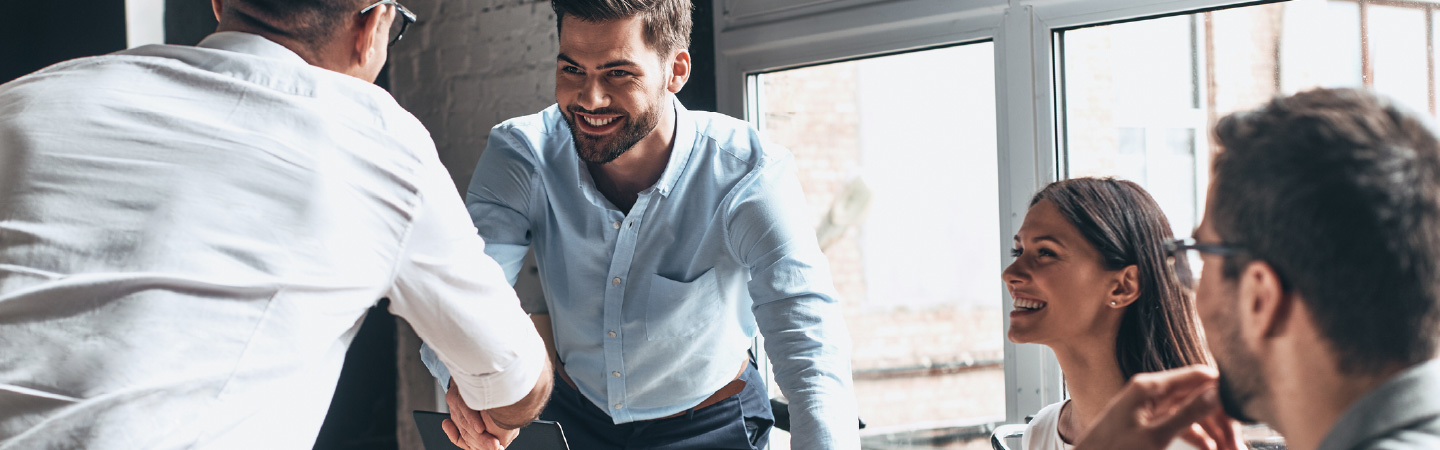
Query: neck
(1315, 393)
(1092, 377)
(313, 56)
(641, 166)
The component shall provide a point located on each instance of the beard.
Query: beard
(1233, 401)
(603, 149)
(1241, 385)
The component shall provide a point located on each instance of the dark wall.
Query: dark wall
(188, 21)
(40, 33)
(699, 92)
(362, 410)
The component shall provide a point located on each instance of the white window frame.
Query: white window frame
(760, 38)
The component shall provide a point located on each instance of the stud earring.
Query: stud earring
(1114, 303)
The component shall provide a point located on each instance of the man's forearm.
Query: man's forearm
(809, 344)
(521, 413)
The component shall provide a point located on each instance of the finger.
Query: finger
(1182, 380)
(1194, 409)
(1216, 428)
(1230, 436)
(1146, 390)
(453, 433)
(487, 442)
(1196, 437)
(468, 421)
(505, 436)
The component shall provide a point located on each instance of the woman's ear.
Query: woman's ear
(1126, 287)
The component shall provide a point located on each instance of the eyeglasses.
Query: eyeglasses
(1188, 250)
(397, 27)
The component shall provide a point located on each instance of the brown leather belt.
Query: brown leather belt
(727, 391)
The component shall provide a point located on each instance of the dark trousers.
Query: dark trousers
(741, 422)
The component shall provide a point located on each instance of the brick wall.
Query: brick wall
(464, 68)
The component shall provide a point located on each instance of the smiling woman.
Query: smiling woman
(1091, 280)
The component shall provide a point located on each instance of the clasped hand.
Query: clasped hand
(473, 430)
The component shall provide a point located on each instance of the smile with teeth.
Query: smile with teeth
(1026, 304)
(596, 121)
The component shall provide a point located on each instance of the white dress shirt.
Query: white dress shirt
(190, 237)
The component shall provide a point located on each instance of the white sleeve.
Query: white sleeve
(459, 302)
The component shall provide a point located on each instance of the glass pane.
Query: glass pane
(1398, 53)
(1122, 82)
(893, 151)
(1133, 96)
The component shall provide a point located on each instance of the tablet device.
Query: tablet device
(539, 435)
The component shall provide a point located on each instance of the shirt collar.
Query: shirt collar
(1411, 396)
(680, 149)
(250, 44)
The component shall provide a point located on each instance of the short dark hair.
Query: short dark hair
(306, 21)
(1159, 330)
(1339, 191)
(667, 22)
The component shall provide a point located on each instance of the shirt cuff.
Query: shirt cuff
(492, 390)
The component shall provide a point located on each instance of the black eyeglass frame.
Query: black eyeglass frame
(1175, 247)
(406, 17)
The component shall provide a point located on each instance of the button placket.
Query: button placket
(620, 266)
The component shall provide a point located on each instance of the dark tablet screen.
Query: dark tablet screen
(539, 435)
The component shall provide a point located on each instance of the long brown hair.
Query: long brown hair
(1159, 330)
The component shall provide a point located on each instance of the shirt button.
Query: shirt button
(619, 405)
(615, 282)
(616, 224)
(616, 374)
(612, 334)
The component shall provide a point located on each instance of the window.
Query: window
(1126, 88)
(1139, 98)
(893, 152)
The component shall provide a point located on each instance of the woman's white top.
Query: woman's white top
(1043, 432)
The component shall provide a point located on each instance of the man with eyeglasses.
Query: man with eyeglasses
(1319, 285)
(191, 236)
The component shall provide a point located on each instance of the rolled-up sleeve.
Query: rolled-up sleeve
(458, 301)
(795, 306)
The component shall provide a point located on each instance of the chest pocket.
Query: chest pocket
(681, 308)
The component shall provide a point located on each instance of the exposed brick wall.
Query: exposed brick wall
(467, 66)
(464, 68)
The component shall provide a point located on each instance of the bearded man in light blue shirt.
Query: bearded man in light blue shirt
(665, 239)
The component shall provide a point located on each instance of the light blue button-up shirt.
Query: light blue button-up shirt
(653, 310)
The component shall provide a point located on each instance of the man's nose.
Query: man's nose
(593, 95)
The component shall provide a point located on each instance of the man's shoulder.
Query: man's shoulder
(532, 136)
(1403, 413)
(1423, 435)
(736, 140)
(539, 125)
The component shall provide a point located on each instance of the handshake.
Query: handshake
(477, 430)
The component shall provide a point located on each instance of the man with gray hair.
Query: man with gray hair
(190, 237)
